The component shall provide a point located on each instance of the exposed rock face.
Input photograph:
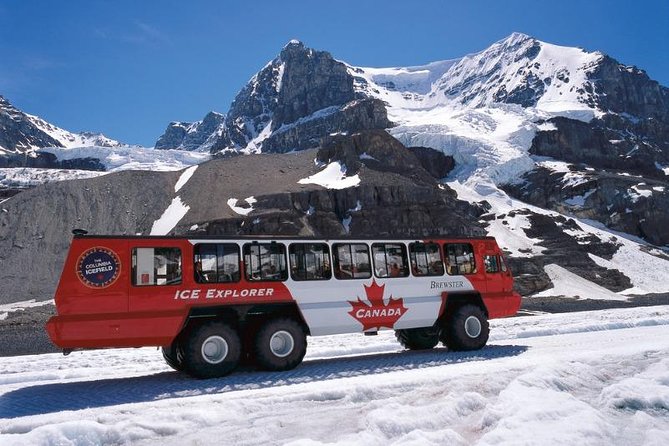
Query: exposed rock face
(18, 132)
(35, 225)
(307, 133)
(609, 143)
(192, 135)
(631, 204)
(438, 164)
(311, 81)
(629, 90)
(293, 102)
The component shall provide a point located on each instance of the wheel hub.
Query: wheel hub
(214, 349)
(473, 327)
(281, 344)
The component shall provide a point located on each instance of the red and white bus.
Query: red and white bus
(209, 302)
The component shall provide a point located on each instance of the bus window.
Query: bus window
(216, 262)
(351, 261)
(309, 261)
(490, 263)
(460, 259)
(265, 261)
(390, 260)
(426, 259)
(156, 266)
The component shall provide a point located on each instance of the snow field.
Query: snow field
(593, 377)
(132, 157)
(23, 177)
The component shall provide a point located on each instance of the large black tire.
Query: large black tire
(280, 344)
(466, 329)
(418, 338)
(211, 350)
(174, 356)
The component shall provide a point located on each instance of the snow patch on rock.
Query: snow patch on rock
(333, 176)
(232, 203)
(170, 218)
(185, 176)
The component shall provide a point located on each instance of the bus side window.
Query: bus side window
(216, 262)
(460, 259)
(426, 259)
(351, 261)
(156, 266)
(390, 260)
(309, 261)
(265, 261)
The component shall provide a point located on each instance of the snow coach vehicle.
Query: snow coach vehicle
(210, 302)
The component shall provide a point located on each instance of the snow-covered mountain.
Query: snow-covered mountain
(22, 133)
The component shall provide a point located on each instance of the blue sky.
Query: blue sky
(127, 68)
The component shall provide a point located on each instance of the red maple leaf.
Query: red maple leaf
(377, 314)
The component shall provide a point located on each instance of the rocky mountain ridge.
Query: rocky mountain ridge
(22, 134)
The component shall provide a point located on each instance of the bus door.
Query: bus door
(499, 282)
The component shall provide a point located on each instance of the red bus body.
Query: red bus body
(98, 306)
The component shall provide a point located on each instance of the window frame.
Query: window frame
(439, 253)
(403, 270)
(336, 263)
(283, 274)
(327, 257)
(196, 253)
(134, 267)
(447, 259)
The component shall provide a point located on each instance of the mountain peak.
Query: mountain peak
(294, 43)
(515, 38)
(293, 48)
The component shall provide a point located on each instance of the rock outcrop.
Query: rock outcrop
(198, 135)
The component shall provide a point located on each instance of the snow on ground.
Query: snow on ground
(566, 283)
(596, 378)
(333, 176)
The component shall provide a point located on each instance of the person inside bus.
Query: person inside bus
(200, 277)
(394, 270)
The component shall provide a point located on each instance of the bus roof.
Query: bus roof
(282, 237)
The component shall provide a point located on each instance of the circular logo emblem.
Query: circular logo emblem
(98, 267)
